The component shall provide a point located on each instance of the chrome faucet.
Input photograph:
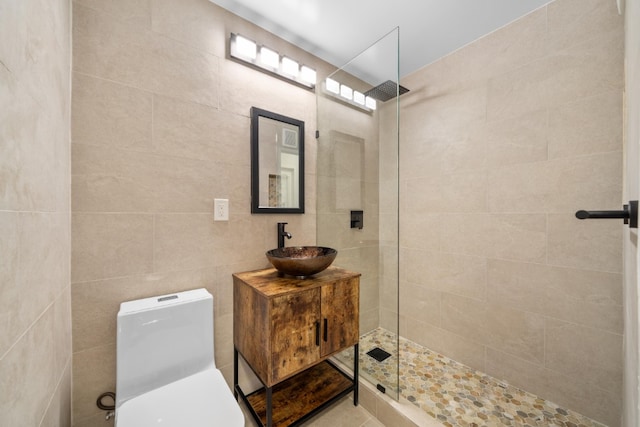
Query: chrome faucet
(282, 234)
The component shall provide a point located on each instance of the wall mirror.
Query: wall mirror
(277, 163)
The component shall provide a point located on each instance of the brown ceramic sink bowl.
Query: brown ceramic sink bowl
(301, 261)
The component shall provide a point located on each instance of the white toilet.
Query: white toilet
(166, 373)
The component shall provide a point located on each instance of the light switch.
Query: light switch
(221, 209)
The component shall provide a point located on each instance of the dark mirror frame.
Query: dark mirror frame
(256, 113)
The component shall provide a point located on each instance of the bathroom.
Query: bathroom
(142, 121)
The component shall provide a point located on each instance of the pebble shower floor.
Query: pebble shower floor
(457, 395)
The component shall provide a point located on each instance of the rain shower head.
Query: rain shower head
(386, 91)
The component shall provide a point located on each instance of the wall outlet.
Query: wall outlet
(221, 209)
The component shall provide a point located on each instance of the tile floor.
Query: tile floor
(455, 394)
(341, 414)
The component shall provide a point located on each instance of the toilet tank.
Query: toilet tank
(161, 340)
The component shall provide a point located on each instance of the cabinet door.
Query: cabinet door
(340, 315)
(294, 326)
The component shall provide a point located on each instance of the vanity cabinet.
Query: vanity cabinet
(285, 329)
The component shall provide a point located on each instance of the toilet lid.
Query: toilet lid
(200, 400)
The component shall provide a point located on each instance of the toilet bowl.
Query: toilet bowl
(166, 373)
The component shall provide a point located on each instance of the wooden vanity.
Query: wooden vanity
(285, 329)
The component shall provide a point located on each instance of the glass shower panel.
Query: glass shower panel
(357, 171)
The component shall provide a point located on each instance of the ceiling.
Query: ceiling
(338, 30)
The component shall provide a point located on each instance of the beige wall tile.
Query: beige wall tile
(197, 23)
(584, 396)
(113, 180)
(10, 312)
(421, 231)
(582, 352)
(521, 139)
(600, 64)
(592, 125)
(560, 185)
(448, 116)
(28, 374)
(588, 69)
(58, 413)
(505, 236)
(31, 162)
(143, 59)
(571, 22)
(589, 298)
(94, 372)
(44, 255)
(440, 340)
(183, 242)
(195, 131)
(107, 179)
(441, 154)
(35, 53)
(517, 285)
(593, 244)
(369, 319)
(61, 331)
(462, 191)
(420, 303)
(111, 245)
(512, 331)
(110, 114)
(454, 273)
(223, 329)
(137, 12)
(518, 237)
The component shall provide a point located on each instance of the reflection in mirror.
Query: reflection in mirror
(277, 163)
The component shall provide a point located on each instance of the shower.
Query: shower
(472, 287)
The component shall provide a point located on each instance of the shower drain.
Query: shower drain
(378, 354)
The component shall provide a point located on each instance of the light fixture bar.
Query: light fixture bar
(268, 60)
(349, 96)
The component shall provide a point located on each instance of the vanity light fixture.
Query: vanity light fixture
(308, 74)
(269, 57)
(332, 86)
(245, 48)
(348, 95)
(289, 66)
(346, 92)
(265, 59)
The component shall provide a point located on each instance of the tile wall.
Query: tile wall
(160, 127)
(631, 415)
(501, 142)
(35, 231)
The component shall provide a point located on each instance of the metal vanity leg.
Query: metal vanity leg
(235, 372)
(356, 378)
(269, 407)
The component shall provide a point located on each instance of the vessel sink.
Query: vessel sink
(301, 261)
